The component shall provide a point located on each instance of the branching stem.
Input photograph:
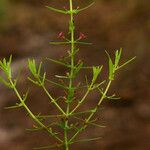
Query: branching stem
(53, 100)
(82, 100)
(31, 113)
(92, 114)
(71, 92)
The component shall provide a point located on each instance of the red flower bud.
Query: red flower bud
(61, 35)
(82, 36)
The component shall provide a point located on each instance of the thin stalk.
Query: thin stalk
(53, 100)
(31, 114)
(82, 100)
(71, 93)
(92, 114)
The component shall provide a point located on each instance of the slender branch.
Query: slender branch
(31, 114)
(71, 89)
(81, 101)
(53, 100)
(127, 62)
(83, 98)
(85, 7)
(92, 114)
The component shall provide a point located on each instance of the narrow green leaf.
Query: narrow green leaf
(96, 72)
(5, 82)
(6, 66)
(39, 69)
(48, 147)
(79, 10)
(62, 77)
(81, 113)
(14, 107)
(87, 140)
(83, 43)
(127, 62)
(87, 83)
(57, 10)
(4, 62)
(56, 83)
(35, 82)
(111, 67)
(94, 110)
(59, 62)
(9, 66)
(25, 96)
(117, 57)
(35, 129)
(113, 97)
(32, 66)
(95, 86)
(43, 79)
(59, 43)
(90, 122)
(50, 116)
(101, 91)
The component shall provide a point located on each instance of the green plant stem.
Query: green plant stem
(86, 94)
(92, 114)
(71, 92)
(31, 114)
(53, 100)
(82, 100)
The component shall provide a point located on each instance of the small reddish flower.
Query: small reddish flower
(61, 35)
(82, 36)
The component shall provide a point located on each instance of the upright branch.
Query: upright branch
(71, 75)
(11, 83)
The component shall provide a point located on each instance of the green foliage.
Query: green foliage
(96, 72)
(6, 66)
(36, 72)
(72, 104)
(113, 67)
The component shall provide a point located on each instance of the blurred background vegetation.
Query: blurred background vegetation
(26, 27)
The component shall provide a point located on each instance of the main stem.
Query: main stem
(71, 90)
